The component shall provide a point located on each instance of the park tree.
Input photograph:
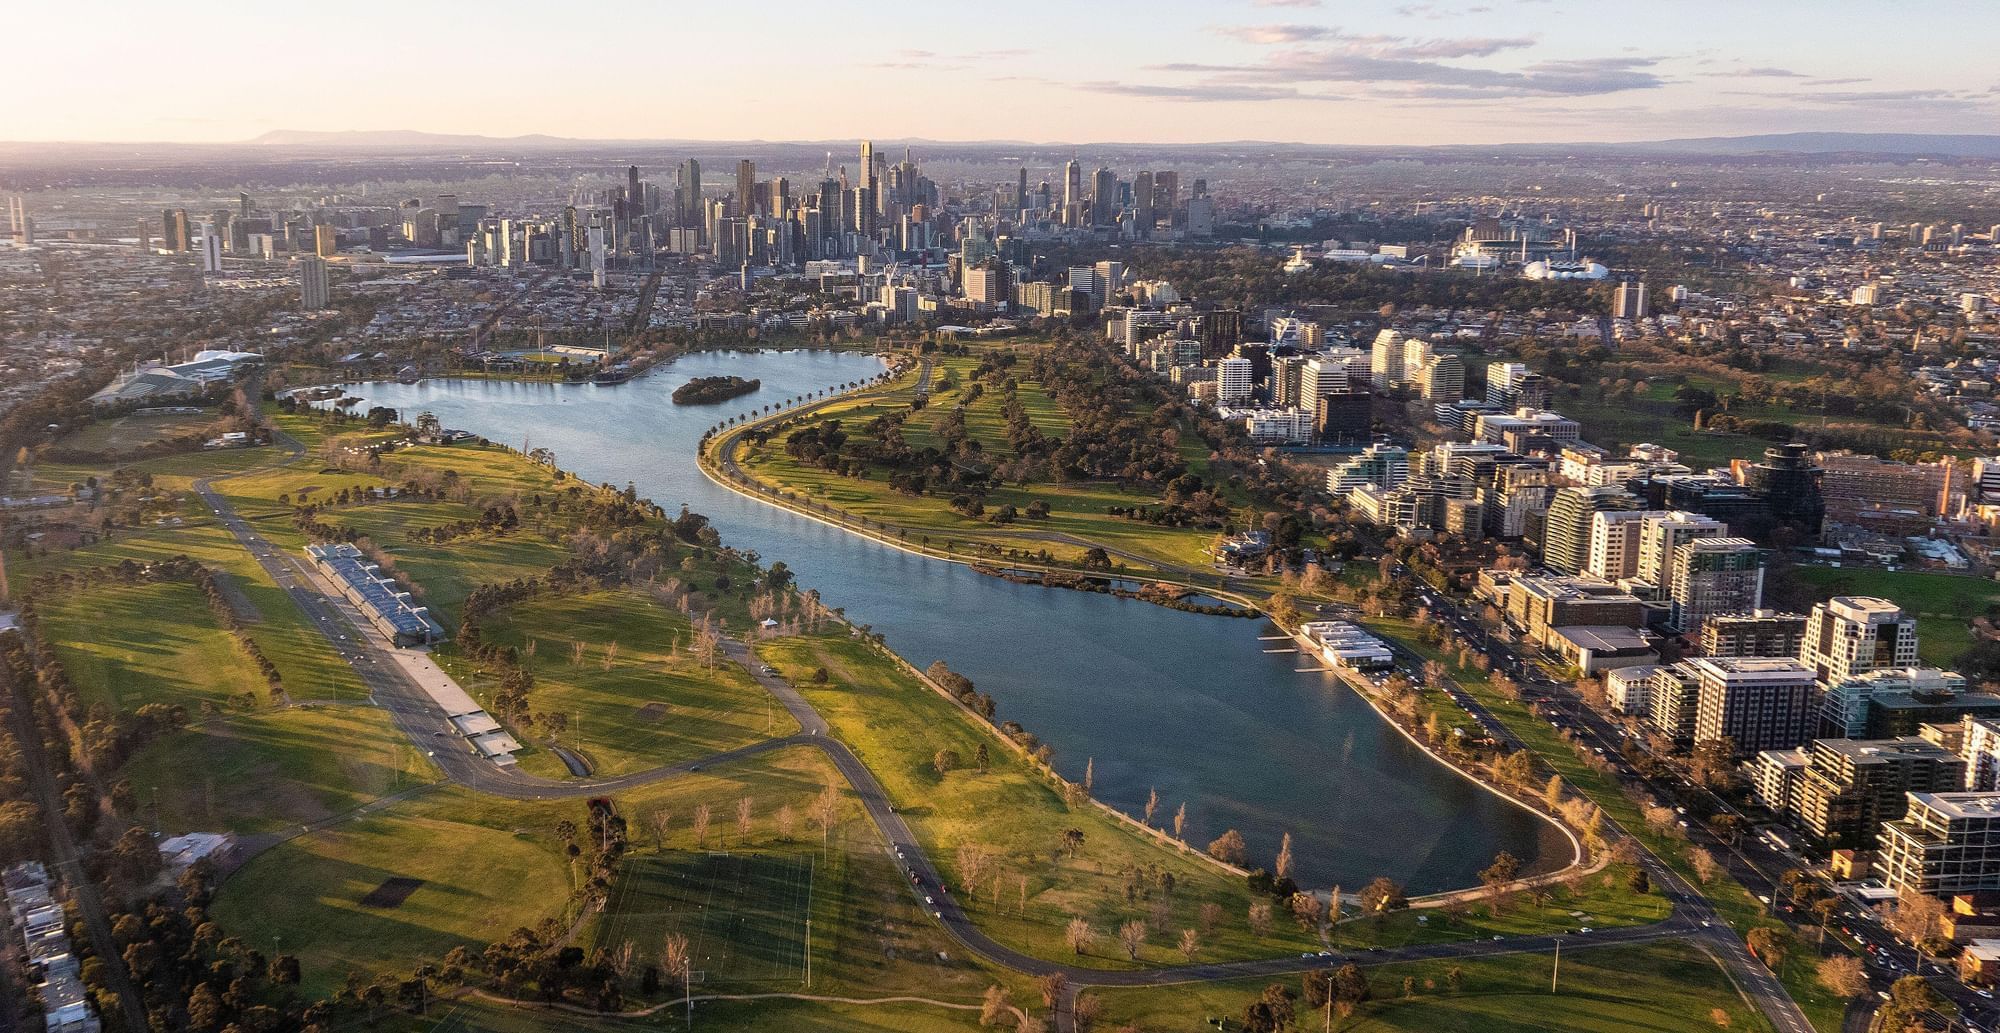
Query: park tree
(1190, 944)
(1843, 975)
(997, 1005)
(1228, 848)
(1132, 936)
(1079, 935)
(1283, 869)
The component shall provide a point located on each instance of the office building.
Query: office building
(1343, 417)
(326, 241)
(1886, 703)
(1756, 703)
(313, 293)
(1850, 635)
(1945, 844)
(1856, 486)
(746, 188)
(1442, 379)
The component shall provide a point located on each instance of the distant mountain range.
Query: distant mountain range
(1962, 145)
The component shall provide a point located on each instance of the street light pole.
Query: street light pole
(1557, 970)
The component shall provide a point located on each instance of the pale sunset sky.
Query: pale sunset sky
(1165, 71)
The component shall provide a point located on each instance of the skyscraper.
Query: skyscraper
(1712, 577)
(746, 188)
(867, 165)
(1103, 197)
(326, 240)
(1790, 484)
(175, 236)
(1072, 187)
(211, 248)
(312, 283)
(1142, 203)
(1851, 634)
(635, 195)
(1021, 199)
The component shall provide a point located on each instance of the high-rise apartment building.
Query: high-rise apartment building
(1945, 844)
(1790, 484)
(1713, 576)
(326, 241)
(1757, 703)
(1235, 377)
(211, 248)
(1662, 534)
(1852, 634)
(1628, 299)
(313, 294)
(1851, 786)
(1566, 539)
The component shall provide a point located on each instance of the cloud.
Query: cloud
(1758, 73)
(1376, 44)
(1206, 92)
(1284, 3)
(1836, 82)
(1571, 77)
(931, 60)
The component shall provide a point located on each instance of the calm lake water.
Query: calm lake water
(1186, 703)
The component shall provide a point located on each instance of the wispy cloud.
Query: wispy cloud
(1569, 77)
(1284, 3)
(1210, 92)
(1757, 73)
(931, 60)
(1377, 44)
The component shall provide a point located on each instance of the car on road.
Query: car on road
(930, 899)
(1309, 954)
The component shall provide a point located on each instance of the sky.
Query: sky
(1164, 71)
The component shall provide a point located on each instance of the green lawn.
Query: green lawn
(1033, 889)
(271, 770)
(126, 433)
(1668, 986)
(485, 866)
(639, 698)
(129, 645)
(1944, 604)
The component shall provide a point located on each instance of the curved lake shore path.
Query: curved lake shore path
(1692, 916)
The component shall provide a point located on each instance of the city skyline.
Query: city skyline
(1504, 71)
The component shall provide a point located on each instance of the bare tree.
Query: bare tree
(1190, 944)
(826, 812)
(1180, 822)
(1089, 774)
(1706, 867)
(1053, 986)
(1133, 936)
(700, 825)
(1260, 919)
(1079, 935)
(744, 813)
(675, 960)
(1210, 916)
(787, 822)
(1844, 975)
(1152, 804)
(1085, 1011)
(576, 650)
(661, 819)
(621, 957)
(997, 1005)
(610, 655)
(1284, 866)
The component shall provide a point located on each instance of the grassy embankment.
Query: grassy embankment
(1077, 509)
(1662, 986)
(1032, 888)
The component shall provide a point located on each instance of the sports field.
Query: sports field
(744, 914)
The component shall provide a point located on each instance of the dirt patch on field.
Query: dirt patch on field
(652, 712)
(392, 892)
(834, 668)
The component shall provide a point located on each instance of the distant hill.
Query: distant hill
(403, 139)
(1949, 145)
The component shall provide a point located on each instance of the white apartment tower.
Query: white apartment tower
(1853, 634)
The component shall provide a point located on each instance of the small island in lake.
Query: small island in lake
(708, 390)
